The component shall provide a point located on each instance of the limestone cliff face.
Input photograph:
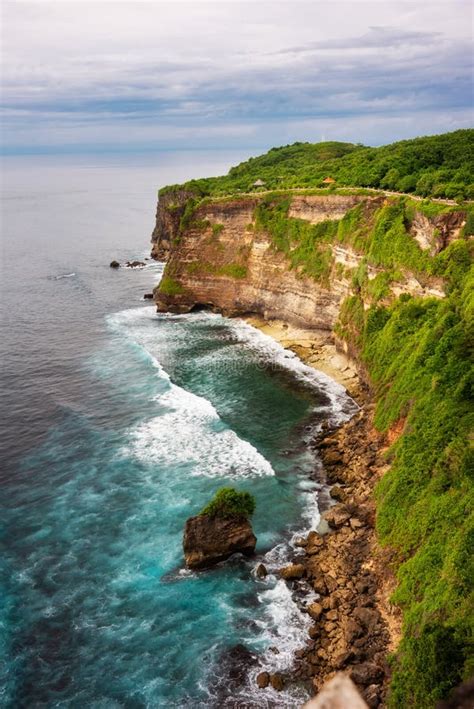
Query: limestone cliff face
(218, 259)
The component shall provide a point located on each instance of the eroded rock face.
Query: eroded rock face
(208, 540)
(219, 260)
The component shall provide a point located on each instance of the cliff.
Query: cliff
(389, 278)
(227, 254)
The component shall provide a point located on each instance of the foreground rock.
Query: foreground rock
(211, 539)
(338, 693)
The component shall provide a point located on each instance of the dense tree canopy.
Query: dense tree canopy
(439, 166)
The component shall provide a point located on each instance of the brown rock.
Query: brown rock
(337, 516)
(263, 680)
(366, 673)
(372, 696)
(277, 681)
(337, 493)
(366, 617)
(315, 610)
(261, 571)
(332, 457)
(208, 540)
(320, 586)
(342, 659)
(292, 571)
(352, 630)
(331, 584)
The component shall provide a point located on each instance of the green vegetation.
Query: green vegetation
(228, 502)
(419, 356)
(169, 286)
(233, 270)
(439, 166)
(217, 229)
(378, 231)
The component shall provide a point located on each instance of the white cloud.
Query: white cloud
(89, 71)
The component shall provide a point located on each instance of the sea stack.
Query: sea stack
(220, 530)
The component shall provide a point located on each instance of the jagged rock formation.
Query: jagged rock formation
(210, 539)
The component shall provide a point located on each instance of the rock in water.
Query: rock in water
(114, 264)
(210, 539)
(261, 571)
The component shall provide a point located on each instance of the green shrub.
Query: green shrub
(228, 502)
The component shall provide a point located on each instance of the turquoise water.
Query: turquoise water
(121, 424)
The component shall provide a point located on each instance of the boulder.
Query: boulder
(337, 516)
(366, 617)
(261, 571)
(292, 571)
(366, 673)
(210, 539)
(320, 586)
(315, 610)
(338, 693)
(135, 264)
(114, 264)
(148, 296)
(263, 680)
(277, 681)
(337, 493)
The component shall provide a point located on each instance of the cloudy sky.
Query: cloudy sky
(82, 76)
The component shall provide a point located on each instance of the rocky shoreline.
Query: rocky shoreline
(355, 626)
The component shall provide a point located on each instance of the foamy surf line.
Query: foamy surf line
(272, 354)
(200, 438)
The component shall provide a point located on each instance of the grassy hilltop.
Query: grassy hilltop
(437, 166)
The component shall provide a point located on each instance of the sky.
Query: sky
(139, 76)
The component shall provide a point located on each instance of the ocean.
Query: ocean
(118, 424)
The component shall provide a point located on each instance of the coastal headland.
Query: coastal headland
(371, 288)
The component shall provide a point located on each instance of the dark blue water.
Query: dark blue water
(118, 425)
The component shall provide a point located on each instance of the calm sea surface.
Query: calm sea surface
(117, 425)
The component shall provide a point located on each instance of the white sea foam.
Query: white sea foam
(63, 275)
(199, 437)
(196, 440)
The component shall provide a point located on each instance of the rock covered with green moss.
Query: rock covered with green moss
(221, 529)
